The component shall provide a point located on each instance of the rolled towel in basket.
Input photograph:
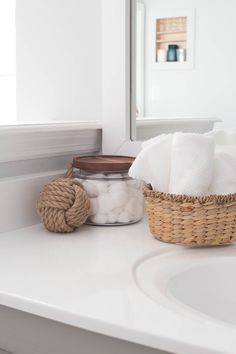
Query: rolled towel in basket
(191, 164)
(152, 165)
(223, 137)
(224, 174)
(226, 149)
(156, 139)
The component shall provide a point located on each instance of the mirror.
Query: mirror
(50, 61)
(183, 65)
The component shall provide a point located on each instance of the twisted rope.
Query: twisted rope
(69, 173)
(63, 204)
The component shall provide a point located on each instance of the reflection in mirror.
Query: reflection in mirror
(50, 61)
(183, 66)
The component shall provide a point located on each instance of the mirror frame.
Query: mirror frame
(118, 74)
(116, 83)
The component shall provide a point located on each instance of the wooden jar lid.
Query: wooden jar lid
(103, 163)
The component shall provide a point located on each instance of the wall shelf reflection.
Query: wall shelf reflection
(170, 30)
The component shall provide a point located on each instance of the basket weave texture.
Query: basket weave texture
(185, 220)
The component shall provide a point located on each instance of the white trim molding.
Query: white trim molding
(139, 37)
(116, 73)
(24, 142)
(148, 127)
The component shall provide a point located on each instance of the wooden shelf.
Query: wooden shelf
(174, 39)
(171, 41)
(171, 32)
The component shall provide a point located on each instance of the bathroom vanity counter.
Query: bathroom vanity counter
(88, 280)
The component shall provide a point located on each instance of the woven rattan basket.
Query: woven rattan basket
(184, 220)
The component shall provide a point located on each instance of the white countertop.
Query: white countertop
(85, 279)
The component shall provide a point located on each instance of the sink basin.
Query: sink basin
(196, 282)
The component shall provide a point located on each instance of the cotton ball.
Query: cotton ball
(118, 198)
(117, 186)
(139, 184)
(134, 183)
(112, 217)
(135, 208)
(81, 181)
(99, 219)
(93, 206)
(138, 210)
(102, 186)
(104, 203)
(131, 206)
(135, 193)
(123, 217)
(131, 183)
(90, 189)
(118, 210)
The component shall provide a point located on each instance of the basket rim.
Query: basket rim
(215, 198)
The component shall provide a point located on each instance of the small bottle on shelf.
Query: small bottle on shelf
(161, 55)
(181, 54)
(172, 52)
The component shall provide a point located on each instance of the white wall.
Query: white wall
(58, 52)
(7, 62)
(210, 88)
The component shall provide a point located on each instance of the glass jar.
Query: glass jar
(116, 198)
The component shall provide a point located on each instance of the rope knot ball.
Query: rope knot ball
(63, 205)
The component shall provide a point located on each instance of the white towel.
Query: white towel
(223, 137)
(227, 149)
(152, 165)
(191, 164)
(154, 140)
(224, 174)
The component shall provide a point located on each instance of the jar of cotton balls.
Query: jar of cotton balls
(115, 198)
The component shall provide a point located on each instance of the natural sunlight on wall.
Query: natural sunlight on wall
(7, 62)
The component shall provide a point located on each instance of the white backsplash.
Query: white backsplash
(18, 199)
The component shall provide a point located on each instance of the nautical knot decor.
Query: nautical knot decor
(63, 205)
